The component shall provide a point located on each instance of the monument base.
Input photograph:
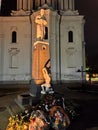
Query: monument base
(26, 100)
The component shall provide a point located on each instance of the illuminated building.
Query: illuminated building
(61, 40)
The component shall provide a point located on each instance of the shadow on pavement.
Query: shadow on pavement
(88, 119)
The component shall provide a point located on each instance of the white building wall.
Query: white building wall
(72, 53)
(66, 58)
(20, 49)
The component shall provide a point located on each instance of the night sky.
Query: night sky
(88, 8)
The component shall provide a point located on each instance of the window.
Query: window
(70, 36)
(14, 36)
(46, 33)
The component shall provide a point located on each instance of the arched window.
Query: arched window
(70, 36)
(14, 37)
(46, 33)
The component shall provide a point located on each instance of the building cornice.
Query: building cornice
(20, 12)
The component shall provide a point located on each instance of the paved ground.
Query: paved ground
(87, 99)
(7, 97)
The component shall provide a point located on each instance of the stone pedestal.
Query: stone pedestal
(25, 100)
(40, 57)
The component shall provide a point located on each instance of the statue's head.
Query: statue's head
(42, 12)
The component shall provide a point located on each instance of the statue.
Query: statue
(41, 22)
(46, 87)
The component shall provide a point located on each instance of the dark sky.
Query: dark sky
(7, 6)
(88, 8)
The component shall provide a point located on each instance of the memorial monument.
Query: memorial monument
(41, 54)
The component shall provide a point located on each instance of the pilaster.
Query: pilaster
(19, 4)
(65, 4)
(54, 43)
(2, 49)
(70, 4)
(25, 4)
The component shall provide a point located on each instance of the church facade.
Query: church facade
(38, 32)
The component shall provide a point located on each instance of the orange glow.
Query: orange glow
(93, 78)
(40, 57)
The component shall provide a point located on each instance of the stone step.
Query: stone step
(14, 108)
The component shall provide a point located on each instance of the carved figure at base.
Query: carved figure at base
(46, 87)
